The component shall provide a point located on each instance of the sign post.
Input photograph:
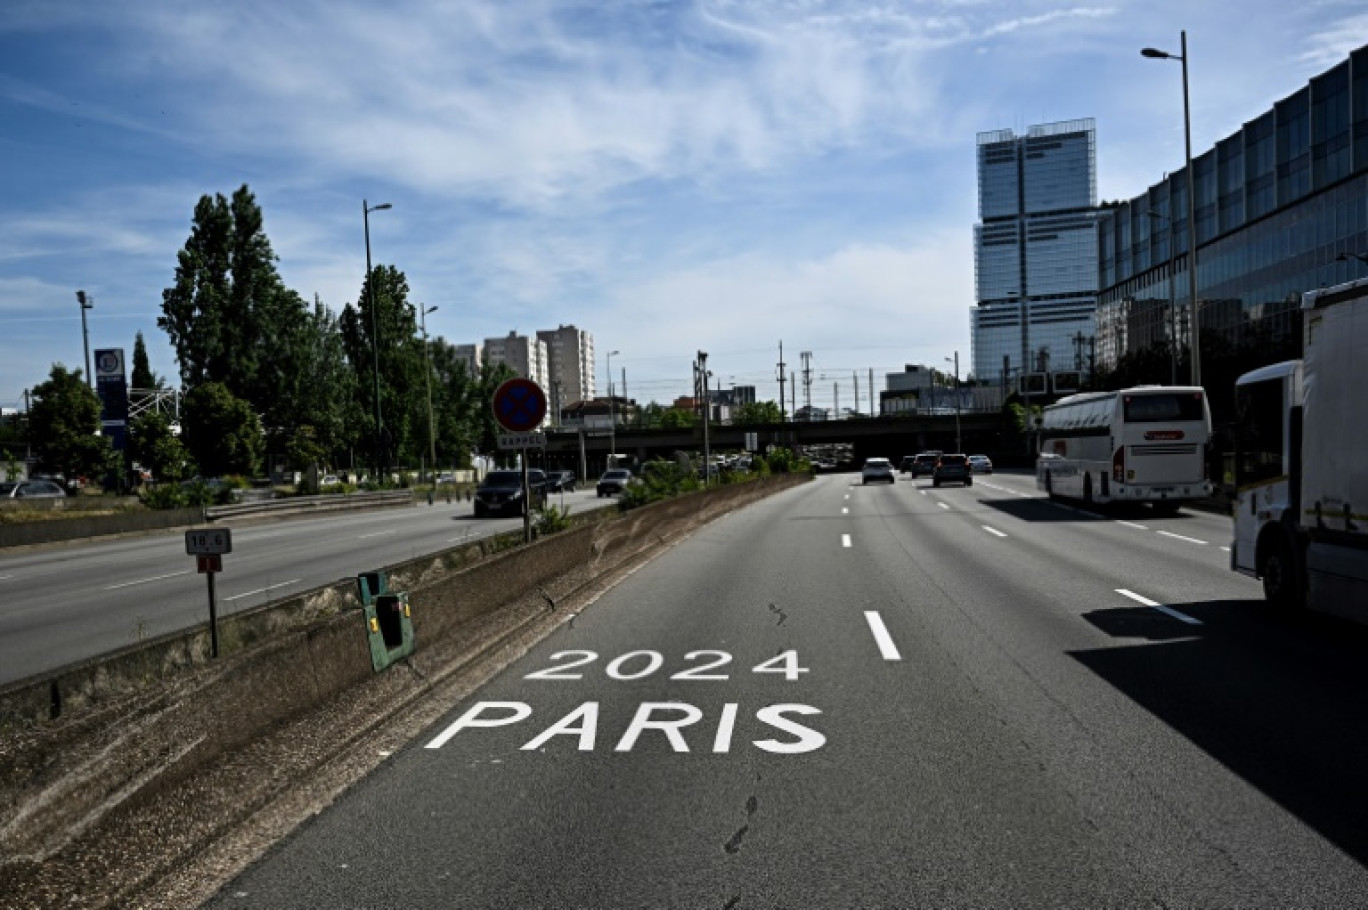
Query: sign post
(520, 407)
(208, 545)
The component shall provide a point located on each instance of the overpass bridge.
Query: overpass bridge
(989, 433)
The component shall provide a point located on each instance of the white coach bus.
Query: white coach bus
(1145, 444)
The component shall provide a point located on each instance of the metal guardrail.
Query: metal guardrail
(330, 503)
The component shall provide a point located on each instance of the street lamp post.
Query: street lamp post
(1156, 54)
(375, 343)
(707, 455)
(958, 447)
(427, 381)
(612, 416)
(87, 303)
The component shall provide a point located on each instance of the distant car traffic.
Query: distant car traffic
(613, 482)
(560, 481)
(501, 493)
(980, 464)
(952, 469)
(877, 469)
(31, 489)
(907, 464)
(924, 463)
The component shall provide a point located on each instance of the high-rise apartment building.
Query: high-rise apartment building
(470, 356)
(570, 365)
(1035, 252)
(525, 356)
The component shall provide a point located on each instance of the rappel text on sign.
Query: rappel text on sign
(522, 440)
(670, 719)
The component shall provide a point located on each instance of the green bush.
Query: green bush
(550, 519)
(164, 496)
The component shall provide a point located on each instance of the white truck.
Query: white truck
(1301, 462)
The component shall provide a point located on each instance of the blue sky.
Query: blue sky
(717, 175)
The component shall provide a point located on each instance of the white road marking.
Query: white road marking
(845, 540)
(376, 534)
(942, 505)
(881, 636)
(994, 531)
(1131, 524)
(845, 511)
(263, 590)
(1181, 537)
(1225, 549)
(1181, 617)
(6, 577)
(143, 581)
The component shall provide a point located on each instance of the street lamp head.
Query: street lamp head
(1155, 54)
(431, 309)
(85, 303)
(381, 207)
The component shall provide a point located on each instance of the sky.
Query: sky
(671, 177)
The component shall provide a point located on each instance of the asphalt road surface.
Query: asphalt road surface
(891, 696)
(61, 604)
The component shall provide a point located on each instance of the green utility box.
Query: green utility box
(389, 620)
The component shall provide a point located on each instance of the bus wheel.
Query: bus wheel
(1280, 576)
(1087, 489)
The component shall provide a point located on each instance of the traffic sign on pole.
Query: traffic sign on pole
(519, 405)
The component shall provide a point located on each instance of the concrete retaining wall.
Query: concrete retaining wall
(68, 528)
(80, 744)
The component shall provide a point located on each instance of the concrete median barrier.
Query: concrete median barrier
(84, 749)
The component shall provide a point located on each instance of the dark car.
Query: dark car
(560, 481)
(952, 469)
(907, 464)
(501, 493)
(924, 463)
(613, 482)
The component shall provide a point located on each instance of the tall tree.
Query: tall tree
(143, 377)
(757, 412)
(221, 431)
(393, 333)
(152, 444)
(64, 424)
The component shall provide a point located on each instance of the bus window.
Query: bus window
(1164, 408)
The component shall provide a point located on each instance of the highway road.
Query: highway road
(884, 696)
(61, 604)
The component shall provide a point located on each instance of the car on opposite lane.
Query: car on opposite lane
(613, 482)
(31, 489)
(501, 492)
(877, 469)
(952, 469)
(560, 481)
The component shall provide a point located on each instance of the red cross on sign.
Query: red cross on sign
(519, 405)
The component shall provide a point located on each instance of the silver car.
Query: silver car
(877, 469)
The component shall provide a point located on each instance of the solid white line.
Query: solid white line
(262, 590)
(143, 581)
(1181, 617)
(845, 540)
(1131, 524)
(1181, 537)
(887, 649)
(994, 531)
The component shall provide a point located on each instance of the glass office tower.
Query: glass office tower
(1281, 208)
(1035, 254)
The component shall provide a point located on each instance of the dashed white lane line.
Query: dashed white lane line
(994, 531)
(1181, 537)
(1131, 524)
(942, 505)
(1225, 549)
(845, 540)
(1181, 617)
(376, 534)
(282, 584)
(881, 636)
(845, 511)
(143, 581)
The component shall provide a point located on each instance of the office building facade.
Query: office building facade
(1281, 207)
(1035, 253)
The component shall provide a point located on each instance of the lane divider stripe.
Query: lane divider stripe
(887, 649)
(1181, 617)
